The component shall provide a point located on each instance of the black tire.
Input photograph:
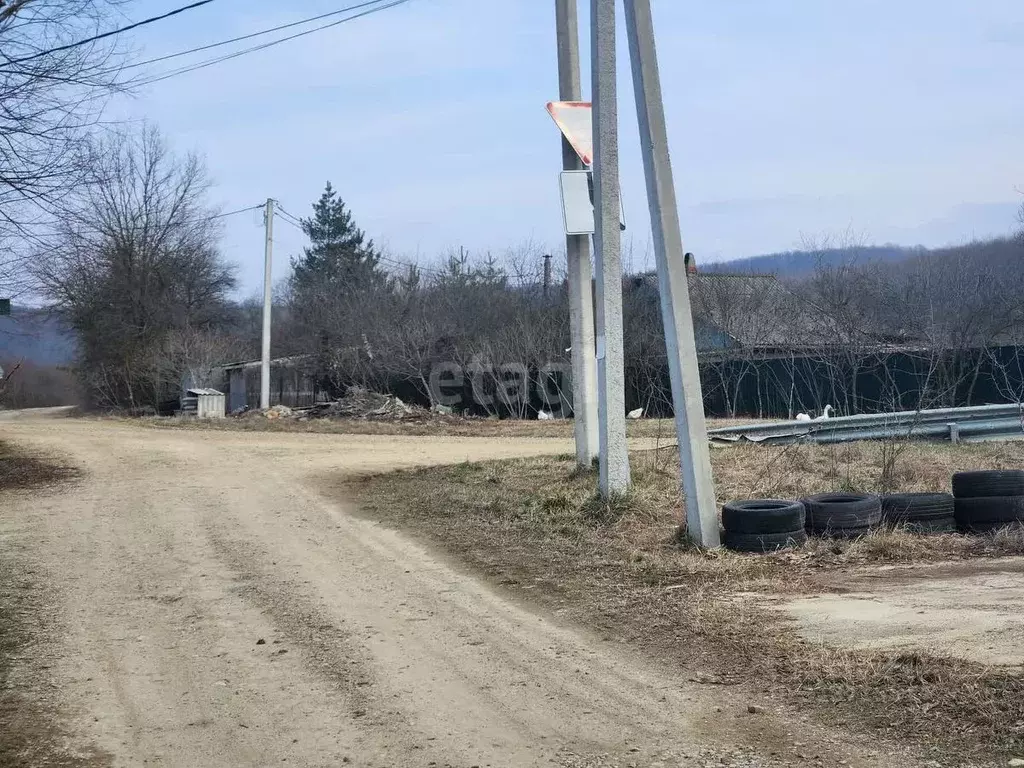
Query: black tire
(911, 507)
(931, 526)
(763, 516)
(844, 533)
(982, 513)
(832, 513)
(764, 542)
(987, 483)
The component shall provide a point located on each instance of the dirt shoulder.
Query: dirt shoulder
(535, 528)
(32, 731)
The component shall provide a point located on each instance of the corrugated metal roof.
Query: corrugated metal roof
(201, 391)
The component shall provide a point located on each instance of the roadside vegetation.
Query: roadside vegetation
(536, 527)
(662, 430)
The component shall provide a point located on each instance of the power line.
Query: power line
(409, 265)
(232, 213)
(271, 30)
(285, 211)
(99, 231)
(111, 33)
(290, 218)
(244, 51)
(296, 222)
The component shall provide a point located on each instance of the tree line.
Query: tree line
(116, 232)
(134, 268)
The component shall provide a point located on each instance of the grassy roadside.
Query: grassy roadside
(536, 527)
(30, 733)
(439, 426)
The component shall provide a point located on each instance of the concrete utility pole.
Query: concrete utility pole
(577, 251)
(687, 399)
(268, 255)
(611, 381)
(547, 274)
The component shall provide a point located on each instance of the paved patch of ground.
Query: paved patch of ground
(213, 608)
(969, 610)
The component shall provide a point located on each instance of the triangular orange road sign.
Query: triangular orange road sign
(576, 122)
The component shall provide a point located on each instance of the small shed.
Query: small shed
(203, 403)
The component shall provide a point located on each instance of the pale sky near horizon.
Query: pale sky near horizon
(895, 121)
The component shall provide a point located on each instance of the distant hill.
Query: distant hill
(802, 263)
(35, 336)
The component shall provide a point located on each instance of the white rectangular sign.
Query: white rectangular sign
(578, 203)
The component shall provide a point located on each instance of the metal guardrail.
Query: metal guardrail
(986, 422)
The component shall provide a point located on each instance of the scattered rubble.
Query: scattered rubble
(358, 403)
(278, 412)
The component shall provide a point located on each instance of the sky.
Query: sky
(789, 121)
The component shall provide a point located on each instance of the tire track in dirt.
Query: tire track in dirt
(180, 550)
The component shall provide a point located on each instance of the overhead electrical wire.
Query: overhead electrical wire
(250, 36)
(99, 231)
(289, 217)
(105, 35)
(296, 222)
(408, 265)
(253, 49)
(233, 213)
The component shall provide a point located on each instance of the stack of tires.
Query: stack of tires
(763, 525)
(988, 500)
(842, 515)
(920, 512)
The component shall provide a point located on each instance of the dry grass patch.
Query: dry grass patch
(536, 526)
(751, 471)
(21, 470)
(436, 426)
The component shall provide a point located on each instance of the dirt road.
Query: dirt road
(216, 609)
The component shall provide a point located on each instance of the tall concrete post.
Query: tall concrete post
(577, 251)
(611, 381)
(268, 254)
(687, 398)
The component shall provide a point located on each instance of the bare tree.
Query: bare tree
(51, 95)
(135, 260)
(1020, 219)
(192, 357)
(7, 378)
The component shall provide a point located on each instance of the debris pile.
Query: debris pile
(358, 403)
(278, 412)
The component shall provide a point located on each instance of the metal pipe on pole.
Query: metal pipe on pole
(611, 381)
(577, 251)
(268, 255)
(687, 398)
